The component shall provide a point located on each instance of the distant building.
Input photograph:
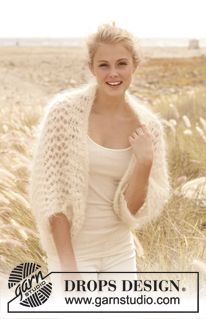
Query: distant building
(193, 44)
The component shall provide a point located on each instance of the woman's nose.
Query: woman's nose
(113, 72)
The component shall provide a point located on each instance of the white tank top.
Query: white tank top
(103, 233)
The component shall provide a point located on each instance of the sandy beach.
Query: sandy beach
(31, 75)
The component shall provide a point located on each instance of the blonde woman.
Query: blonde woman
(99, 170)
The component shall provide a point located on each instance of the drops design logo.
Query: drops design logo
(30, 285)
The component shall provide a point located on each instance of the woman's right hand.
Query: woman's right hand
(73, 275)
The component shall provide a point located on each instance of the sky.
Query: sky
(78, 18)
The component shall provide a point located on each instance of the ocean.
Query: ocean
(76, 42)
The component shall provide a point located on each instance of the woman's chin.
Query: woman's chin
(115, 91)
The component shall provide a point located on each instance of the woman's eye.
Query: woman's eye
(102, 65)
(123, 63)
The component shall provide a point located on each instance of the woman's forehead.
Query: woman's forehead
(115, 51)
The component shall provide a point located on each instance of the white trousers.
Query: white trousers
(100, 268)
(114, 268)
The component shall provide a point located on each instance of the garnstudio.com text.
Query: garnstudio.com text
(126, 300)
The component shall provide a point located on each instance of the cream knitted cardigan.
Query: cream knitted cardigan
(59, 171)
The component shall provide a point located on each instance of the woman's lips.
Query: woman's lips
(114, 83)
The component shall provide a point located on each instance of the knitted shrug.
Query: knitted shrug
(60, 167)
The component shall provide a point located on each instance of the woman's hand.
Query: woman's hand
(71, 276)
(141, 142)
(70, 272)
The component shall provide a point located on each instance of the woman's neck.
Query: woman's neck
(109, 105)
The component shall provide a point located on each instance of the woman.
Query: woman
(100, 169)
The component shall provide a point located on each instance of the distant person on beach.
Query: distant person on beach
(99, 170)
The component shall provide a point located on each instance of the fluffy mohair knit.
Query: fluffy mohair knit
(60, 167)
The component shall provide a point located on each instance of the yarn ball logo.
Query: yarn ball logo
(30, 285)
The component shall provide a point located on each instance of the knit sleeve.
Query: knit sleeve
(158, 187)
(47, 185)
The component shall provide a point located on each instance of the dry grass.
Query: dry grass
(174, 87)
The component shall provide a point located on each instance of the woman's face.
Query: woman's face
(113, 68)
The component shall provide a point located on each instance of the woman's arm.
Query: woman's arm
(136, 191)
(60, 228)
(130, 193)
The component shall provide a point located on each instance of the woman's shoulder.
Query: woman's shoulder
(145, 113)
(66, 100)
(62, 98)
